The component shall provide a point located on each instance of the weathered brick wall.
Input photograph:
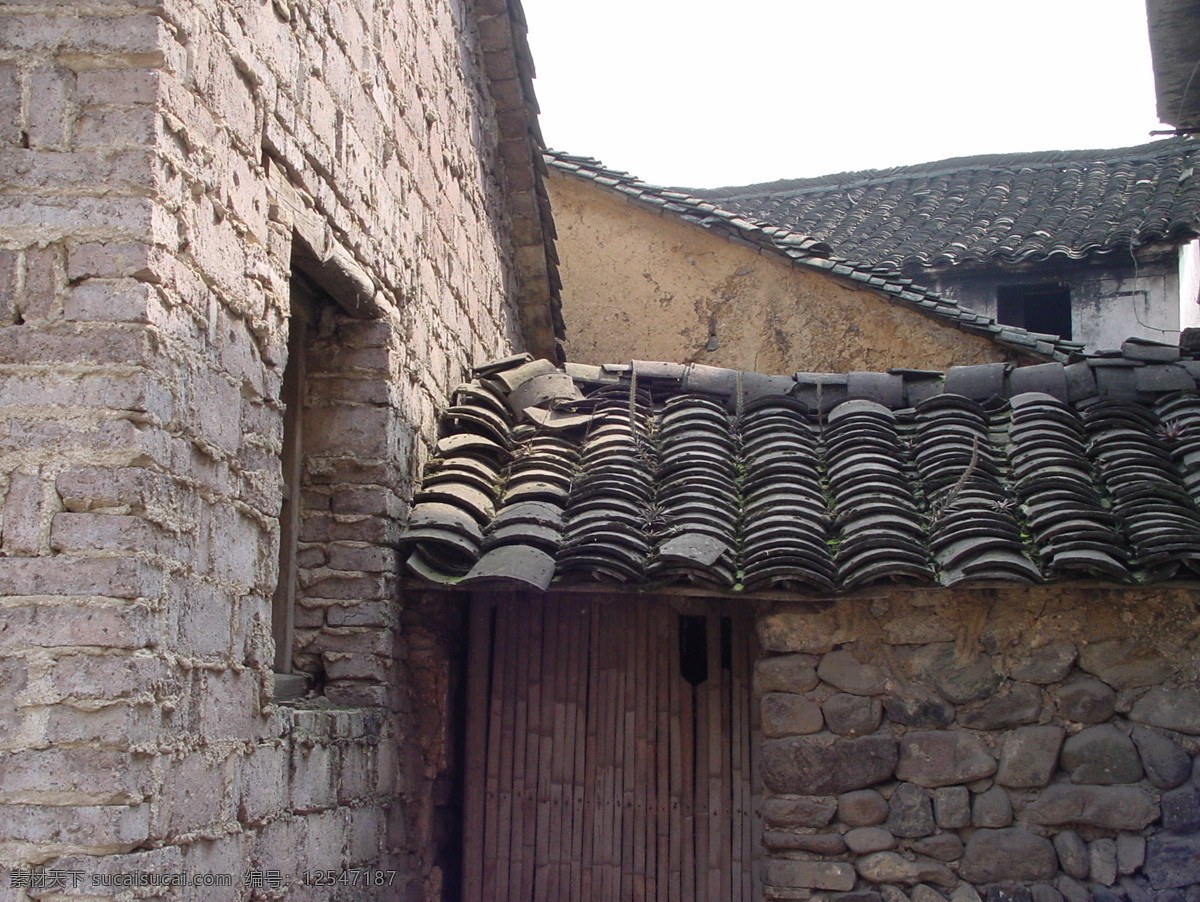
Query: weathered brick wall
(146, 240)
(1005, 744)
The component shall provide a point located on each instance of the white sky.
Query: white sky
(707, 93)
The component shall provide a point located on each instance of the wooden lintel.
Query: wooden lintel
(318, 253)
(866, 593)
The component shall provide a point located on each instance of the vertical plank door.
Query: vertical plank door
(609, 747)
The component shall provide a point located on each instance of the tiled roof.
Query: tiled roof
(997, 208)
(653, 473)
(805, 252)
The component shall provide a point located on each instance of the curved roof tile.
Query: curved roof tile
(650, 474)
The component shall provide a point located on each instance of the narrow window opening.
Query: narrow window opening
(726, 644)
(295, 377)
(1044, 307)
(693, 649)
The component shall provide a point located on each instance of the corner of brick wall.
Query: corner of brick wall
(144, 271)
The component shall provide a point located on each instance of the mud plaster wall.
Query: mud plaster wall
(144, 295)
(641, 286)
(1010, 745)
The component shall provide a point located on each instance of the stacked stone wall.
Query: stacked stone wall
(1014, 746)
(160, 159)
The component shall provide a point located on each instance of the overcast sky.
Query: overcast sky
(706, 94)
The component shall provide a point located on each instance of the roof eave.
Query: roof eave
(508, 65)
(1174, 27)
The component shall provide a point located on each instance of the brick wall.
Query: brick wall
(160, 160)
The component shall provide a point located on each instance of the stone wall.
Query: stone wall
(1001, 744)
(160, 159)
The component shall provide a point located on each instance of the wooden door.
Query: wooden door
(609, 752)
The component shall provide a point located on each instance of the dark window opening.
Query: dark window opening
(726, 643)
(1045, 307)
(693, 649)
